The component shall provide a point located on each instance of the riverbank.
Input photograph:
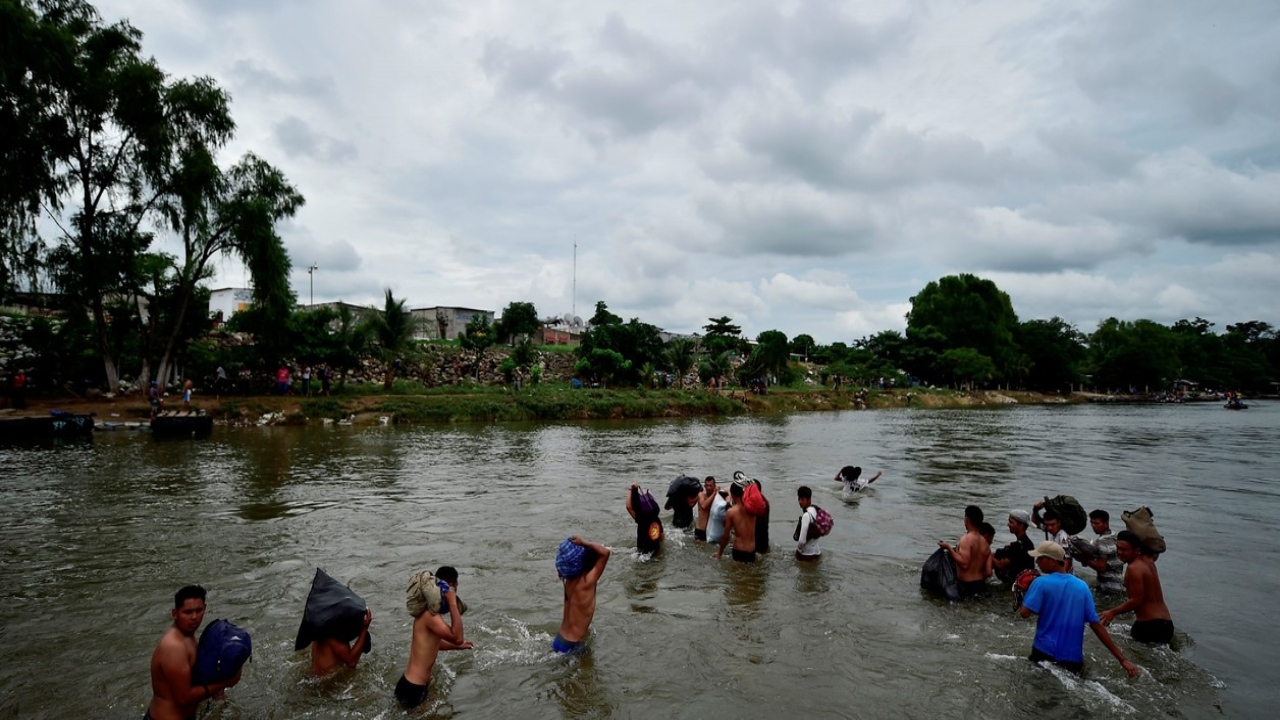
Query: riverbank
(548, 402)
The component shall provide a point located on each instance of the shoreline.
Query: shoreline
(545, 404)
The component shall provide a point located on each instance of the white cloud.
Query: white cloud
(760, 159)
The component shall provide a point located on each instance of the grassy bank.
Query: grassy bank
(406, 403)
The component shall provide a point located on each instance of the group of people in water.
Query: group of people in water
(1041, 576)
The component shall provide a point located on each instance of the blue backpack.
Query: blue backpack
(223, 649)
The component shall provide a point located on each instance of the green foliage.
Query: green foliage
(518, 319)
(391, 330)
(681, 354)
(803, 345)
(603, 316)
(961, 311)
(1138, 355)
(324, 407)
(480, 336)
(634, 343)
(1055, 351)
(723, 336)
(967, 366)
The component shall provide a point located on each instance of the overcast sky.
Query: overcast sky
(804, 166)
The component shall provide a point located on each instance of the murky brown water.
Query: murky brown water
(96, 537)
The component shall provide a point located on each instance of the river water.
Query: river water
(98, 536)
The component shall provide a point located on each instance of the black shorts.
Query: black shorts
(969, 588)
(1157, 632)
(700, 535)
(411, 695)
(745, 556)
(1038, 656)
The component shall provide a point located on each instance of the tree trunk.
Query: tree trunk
(388, 378)
(104, 346)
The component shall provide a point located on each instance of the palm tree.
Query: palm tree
(349, 341)
(392, 330)
(681, 356)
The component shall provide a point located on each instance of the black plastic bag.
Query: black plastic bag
(333, 611)
(939, 575)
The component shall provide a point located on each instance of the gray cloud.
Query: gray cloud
(250, 76)
(299, 139)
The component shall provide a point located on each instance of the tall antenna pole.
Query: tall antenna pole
(575, 278)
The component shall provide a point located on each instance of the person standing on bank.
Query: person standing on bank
(1153, 623)
(1063, 606)
(807, 550)
(173, 697)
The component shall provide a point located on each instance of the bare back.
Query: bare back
(1142, 583)
(579, 607)
(428, 628)
(743, 525)
(974, 548)
(171, 665)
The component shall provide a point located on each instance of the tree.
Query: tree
(722, 335)
(1132, 354)
(772, 355)
(479, 337)
(966, 366)
(603, 316)
(962, 311)
(604, 365)
(392, 330)
(349, 339)
(1054, 349)
(803, 345)
(518, 319)
(681, 356)
(230, 214)
(106, 130)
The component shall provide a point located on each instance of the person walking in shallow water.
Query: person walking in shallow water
(1063, 606)
(580, 563)
(173, 696)
(1153, 623)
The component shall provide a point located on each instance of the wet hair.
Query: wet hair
(1102, 515)
(188, 592)
(1051, 515)
(448, 574)
(804, 493)
(736, 490)
(709, 477)
(589, 559)
(987, 529)
(974, 514)
(850, 472)
(1132, 538)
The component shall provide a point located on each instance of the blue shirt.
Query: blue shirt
(1064, 605)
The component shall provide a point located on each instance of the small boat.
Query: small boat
(1236, 405)
(57, 425)
(182, 424)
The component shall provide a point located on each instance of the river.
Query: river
(98, 536)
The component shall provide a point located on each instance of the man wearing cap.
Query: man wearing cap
(580, 564)
(1013, 559)
(1063, 605)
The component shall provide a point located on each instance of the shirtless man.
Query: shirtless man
(705, 499)
(741, 525)
(430, 635)
(1153, 623)
(172, 695)
(972, 557)
(580, 598)
(328, 653)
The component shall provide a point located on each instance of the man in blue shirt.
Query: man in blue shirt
(1064, 605)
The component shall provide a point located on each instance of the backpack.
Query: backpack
(823, 522)
(753, 500)
(1074, 518)
(1141, 522)
(647, 505)
(223, 649)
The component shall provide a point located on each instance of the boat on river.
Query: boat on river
(176, 424)
(1235, 405)
(57, 424)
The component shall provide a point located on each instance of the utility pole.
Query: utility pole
(575, 278)
(312, 272)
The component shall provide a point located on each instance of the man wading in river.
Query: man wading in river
(580, 563)
(741, 526)
(172, 695)
(427, 598)
(972, 557)
(1153, 622)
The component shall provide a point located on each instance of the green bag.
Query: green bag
(1074, 518)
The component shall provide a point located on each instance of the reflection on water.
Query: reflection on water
(98, 535)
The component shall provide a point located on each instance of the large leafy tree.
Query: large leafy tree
(518, 319)
(233, 213)
(963, 311)
(722, 335)
(391, 329)
(1133, 355)
(1055, 350)
(635, 342)
(107, 135)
